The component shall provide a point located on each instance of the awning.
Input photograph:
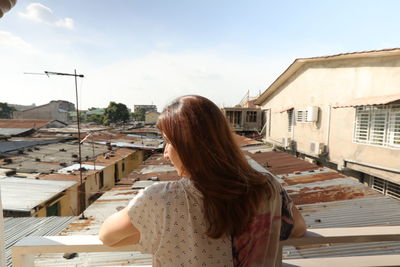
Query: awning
(370, 101)
(285, 109)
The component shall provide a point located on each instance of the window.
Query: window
(378, 125)
(101, 180)
(251, 116)
(301, 116)
(234, 117)
(290, 120)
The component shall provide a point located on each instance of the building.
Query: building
(343, 110)
(55, 110)
(151, 117)
(246, 117)
(24, 197)
(145, 107)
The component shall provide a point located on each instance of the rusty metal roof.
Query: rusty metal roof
(282, 163)
(370, 101)
(15, 123)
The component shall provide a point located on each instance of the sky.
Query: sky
(152, 51)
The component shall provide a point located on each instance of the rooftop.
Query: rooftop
(23, 194)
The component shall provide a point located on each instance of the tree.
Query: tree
(116, 112)
(96, 118)
(6, 111)
(139, 114)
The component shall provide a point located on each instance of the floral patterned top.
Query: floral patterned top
(170, 218)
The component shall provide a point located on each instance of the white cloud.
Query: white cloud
(8, 40)
(42, 14)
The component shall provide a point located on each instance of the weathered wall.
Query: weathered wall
(328, 84)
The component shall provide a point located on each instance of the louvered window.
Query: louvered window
(378, 125)
(301, 116)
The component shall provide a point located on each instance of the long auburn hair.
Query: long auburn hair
(231, 188)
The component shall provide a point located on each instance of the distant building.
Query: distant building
(55, 110)
(22, 107)
(342, 109)
(244, 118)
(151, 117)
(14, 127)
(145, 107)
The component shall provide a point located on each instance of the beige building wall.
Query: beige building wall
(151, 117)
(55, 110)
(330, 83)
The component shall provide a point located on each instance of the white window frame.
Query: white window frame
(377, 125)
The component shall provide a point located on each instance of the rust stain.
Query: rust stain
(330, 194)
(80, 224)
(312, 178)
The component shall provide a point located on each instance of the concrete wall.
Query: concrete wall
(151, 117)
(55, 110)
(328, 84)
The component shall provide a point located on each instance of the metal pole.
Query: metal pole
(2, 238)
(79, 141)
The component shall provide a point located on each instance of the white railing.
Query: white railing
(23, 252)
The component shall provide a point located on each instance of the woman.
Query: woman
(221, 213)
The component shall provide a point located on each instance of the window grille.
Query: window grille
(378, 125)
(393, 190)
(378, 184)
(290, 120)
(251, 116)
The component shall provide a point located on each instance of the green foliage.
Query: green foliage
(96, 118)
(116, 112)
(139, 114)
(6, 111)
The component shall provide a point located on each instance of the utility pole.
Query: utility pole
(48, 73)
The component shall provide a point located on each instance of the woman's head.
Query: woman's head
(201, 146)
(196, 129)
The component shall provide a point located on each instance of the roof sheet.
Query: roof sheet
(13, 131)
(17, 228)
(23, 194)
(20, 123)
(370, 101)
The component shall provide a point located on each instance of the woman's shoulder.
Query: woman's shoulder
(163, 189)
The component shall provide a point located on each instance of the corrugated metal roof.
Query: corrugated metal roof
(17, 228)
(75, 167)
(370, 101)
(20, 123)
(14, 131)
(109, 203)
(23, 194)
(282, 163)
(327, 199)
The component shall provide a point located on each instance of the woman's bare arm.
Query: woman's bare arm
(118, 230)
(299, 226)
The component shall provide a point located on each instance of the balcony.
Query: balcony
(24, 251)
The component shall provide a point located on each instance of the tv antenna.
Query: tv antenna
(48, 73)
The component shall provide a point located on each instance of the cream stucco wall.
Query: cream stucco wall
(329, 83)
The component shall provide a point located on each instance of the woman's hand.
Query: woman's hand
(118, 230)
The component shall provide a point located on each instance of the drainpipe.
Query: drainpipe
(2, 246)
(328, 128)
